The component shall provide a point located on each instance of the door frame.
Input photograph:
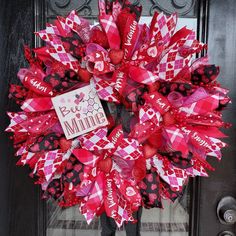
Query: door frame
(195, 183)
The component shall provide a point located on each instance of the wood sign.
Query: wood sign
(79, 111)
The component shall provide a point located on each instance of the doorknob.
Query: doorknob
(226, 211)
(226, 233)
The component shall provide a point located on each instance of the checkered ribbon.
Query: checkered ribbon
(25, 158)
(172, 175)
(196, 170)
(105, 90)
(124, 211)
(176, 139)
(56, 48)
(216, 147)
(96, 140)
(147, 113)
(77, 24)
(110, 27)
(129, 149)
(87, 213)
(49, 163)
(37, 104)
(202, 106)
(162, 27)
(142, 75)
(16, 119)
(177, 57)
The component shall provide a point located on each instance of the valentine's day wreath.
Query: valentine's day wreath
(117, 115)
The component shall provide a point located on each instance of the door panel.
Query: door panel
(19, 197)
(222, 51)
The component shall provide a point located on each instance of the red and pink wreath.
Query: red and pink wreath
(117, 115)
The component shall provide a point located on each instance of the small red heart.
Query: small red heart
(84, 75)
(149, 151)
(150, 113)
(44, 37)
(65, 144)
(69, 22)
(170, 66)
(78, 115)
(59, 48)
(138, 173)
(116, 56)
(105, 165)
(153, 186)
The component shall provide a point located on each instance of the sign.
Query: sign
(79, 111)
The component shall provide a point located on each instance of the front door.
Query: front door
(195, 214)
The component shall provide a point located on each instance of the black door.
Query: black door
(22, 210)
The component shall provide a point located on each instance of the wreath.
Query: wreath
(117, 115)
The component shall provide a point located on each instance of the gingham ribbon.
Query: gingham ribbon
(142, 75)
(176, 139)
(37, 104)
(110, 27)
(202, 106)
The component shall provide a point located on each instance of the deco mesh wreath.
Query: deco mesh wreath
(117, 115)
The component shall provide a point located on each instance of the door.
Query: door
(24, 213)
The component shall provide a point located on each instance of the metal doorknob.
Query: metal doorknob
(226, 233)
(226, 211)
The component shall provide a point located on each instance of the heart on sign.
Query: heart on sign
(170, 66)
(99, 65)
(79, 98)
(152, 52)
(44, 37)
(62, 100)
(78, 115)
(130, 191)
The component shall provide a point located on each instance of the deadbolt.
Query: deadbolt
(226, 211)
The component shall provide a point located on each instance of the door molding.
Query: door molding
(195, 184)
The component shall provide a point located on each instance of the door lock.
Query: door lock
(226, 211)
(226, 233)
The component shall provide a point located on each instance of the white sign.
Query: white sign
(79, 111)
